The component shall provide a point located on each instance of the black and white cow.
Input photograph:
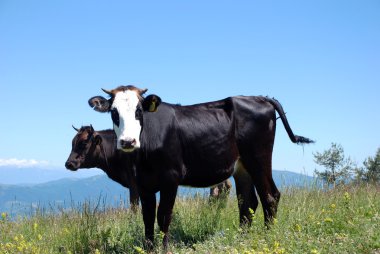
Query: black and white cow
(197, 145)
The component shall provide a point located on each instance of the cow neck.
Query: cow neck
(105, 153)
(105, 156)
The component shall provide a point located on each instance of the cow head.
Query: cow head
(126, 107)
(83, 148)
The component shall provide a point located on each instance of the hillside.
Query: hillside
(310, 220)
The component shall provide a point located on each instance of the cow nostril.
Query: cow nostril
(127, 144)
(70, 165)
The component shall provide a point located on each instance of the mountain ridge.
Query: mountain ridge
(67, 193)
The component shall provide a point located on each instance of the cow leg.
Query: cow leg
(165, 209)
(221, 190)
(246, 195)
(148, 205)
(261, 171)
(133, 197)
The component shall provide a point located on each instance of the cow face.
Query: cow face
(83, 149)
(124, 106)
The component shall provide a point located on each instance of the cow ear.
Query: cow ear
(151, 103)
(99, 103)
(98, 139)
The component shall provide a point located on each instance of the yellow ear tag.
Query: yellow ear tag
(152, 107)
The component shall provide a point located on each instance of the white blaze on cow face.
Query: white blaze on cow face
(128, 131)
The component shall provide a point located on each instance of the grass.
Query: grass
(342, 220)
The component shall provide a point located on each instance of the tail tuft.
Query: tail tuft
(303, 140)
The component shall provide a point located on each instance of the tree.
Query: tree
(337, 168)
(371, 170)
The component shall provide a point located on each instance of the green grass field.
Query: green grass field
(342, 220)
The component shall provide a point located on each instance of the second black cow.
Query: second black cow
(97, 149)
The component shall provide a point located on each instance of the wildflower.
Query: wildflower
(66, 231)
(97, 251)
(3, 216)
(314, 251)
(252, 213)
(35, 226)
(328, 219)
(139, 250)
(297, 227)
(161, 235)
(347, 196)
(277, 249)
(9, 246)
(332, 206)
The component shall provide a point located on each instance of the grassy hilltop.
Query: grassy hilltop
(342, 220)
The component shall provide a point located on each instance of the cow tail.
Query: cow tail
(294, 138)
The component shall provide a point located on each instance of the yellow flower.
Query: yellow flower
(314, 251)
(252, 213)
(139, 250)
(347, 196)
(332, 206)
(66, 230)
(328, 219)
(297, 227)
(35, 226)
(3, 216)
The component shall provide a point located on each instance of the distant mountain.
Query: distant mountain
(64, 194)
(36, 175)
(68, 193)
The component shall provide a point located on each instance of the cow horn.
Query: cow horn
(75, 128)
(142, 91)
(107, 92)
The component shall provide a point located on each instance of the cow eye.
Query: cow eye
(138, 113)
(115, 117)
(83, 145)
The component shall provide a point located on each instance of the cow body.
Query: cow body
(97, 149)
(202, 145)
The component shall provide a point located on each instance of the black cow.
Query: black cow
(97, 149)
(197, 145)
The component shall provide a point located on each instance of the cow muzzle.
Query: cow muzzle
(128, 144)
(71, 165)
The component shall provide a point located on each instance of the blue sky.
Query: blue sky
(320, 59)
